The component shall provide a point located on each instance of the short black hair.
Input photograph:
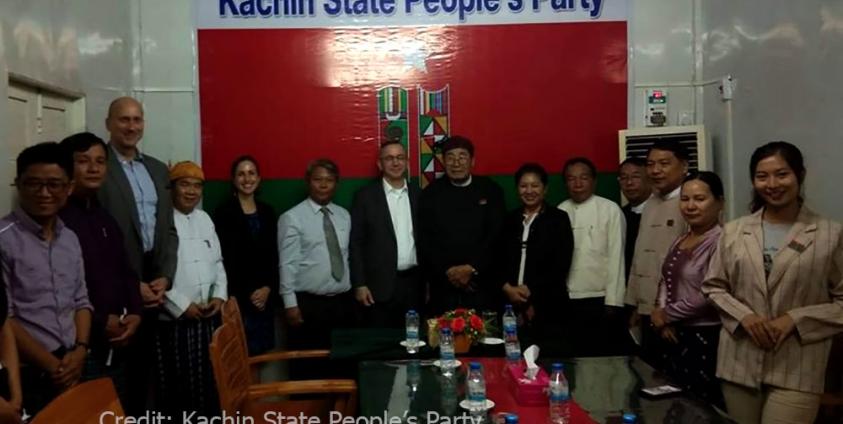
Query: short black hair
(392, 142)
(48, 153)
(639, 162)
(712, 180)
(458, 142)
(82, 142)
(328, 164)
(583, 160)
(674, 147)
(531, 168)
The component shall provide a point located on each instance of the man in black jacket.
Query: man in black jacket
(384, 271)
(459, 219)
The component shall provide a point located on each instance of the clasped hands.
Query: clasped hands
(768, 333)
(153, 292)
(460, 275)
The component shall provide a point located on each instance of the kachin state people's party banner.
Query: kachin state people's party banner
(288, 81)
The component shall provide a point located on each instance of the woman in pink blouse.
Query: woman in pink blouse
(688, 323)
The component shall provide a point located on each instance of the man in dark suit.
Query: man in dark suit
(460, 216)
(136, 193)
(384, 271)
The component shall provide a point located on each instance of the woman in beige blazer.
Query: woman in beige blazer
(777, 281)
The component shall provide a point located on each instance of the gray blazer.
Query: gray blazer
(805, 282)
(117, 197)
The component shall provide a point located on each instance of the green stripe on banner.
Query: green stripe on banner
(284, 194)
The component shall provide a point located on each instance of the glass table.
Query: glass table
(604, 387)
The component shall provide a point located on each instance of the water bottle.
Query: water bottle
(629, 418)
(510, 332)
(511, 419)
(447, 359)
(412, 321)
(559, 396)
(476, 388)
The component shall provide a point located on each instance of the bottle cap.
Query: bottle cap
(629, 418)
(508, 307)
(411, 312)
(511, 419)
(445, 330)
(557, 366)
(475, 366)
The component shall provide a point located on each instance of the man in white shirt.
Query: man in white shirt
(596, 282)
(191, 305)
(384, 270)
(313, 259)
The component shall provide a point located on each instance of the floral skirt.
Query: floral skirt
(693, 361)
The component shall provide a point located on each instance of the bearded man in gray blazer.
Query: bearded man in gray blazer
(136, 193)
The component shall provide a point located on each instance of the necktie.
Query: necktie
(337, 268)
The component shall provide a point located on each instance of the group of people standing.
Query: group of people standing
(110, 269)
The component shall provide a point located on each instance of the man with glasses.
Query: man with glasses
(635, 187)
(459, 219)
(42, 266)
(384, 271)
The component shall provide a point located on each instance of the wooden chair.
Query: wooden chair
(238, 392)
(231, 315)
(85, 403)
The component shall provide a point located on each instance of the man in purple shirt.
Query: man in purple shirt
(113, 286)
(42, 266)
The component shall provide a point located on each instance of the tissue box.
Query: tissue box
(527, 392)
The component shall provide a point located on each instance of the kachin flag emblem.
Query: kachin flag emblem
(434, 128)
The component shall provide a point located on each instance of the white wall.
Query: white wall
(787, 59)
(105, 49)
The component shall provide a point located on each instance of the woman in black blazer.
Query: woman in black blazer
(537, 285)
(247, 233)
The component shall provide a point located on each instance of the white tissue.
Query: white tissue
(531, 354)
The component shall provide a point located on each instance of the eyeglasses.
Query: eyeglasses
(399, 158)
(625, 178)
(35, 186)
(461, 157)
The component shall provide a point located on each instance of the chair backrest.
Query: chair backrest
(231, 315)
(231, 368)
(91, 402)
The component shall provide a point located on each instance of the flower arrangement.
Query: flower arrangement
(463, 321)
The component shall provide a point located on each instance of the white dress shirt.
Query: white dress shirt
(304, 261)
(597, 268)
(398, 201)
(200, 275)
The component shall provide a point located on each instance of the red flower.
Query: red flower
(476, 323)
(458, 325)
(459, 311)
(443, 323)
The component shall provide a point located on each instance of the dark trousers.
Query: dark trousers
(406, 295)
(321, 315)
(37, 385)
(653, 347)
(139, 363)
(595, 329)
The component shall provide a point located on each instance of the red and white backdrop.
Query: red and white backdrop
(288, 81)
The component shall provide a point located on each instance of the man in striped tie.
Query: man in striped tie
(313, 255)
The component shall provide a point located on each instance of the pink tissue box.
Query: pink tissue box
(527, 392)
